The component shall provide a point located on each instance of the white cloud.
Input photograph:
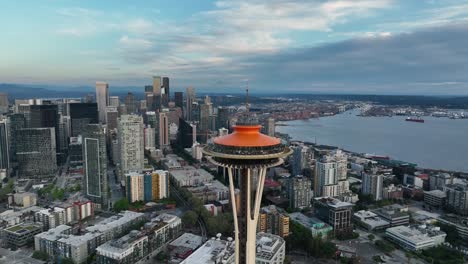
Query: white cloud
(135, 44)
(437, 16)
(140, 26)
(78, 12)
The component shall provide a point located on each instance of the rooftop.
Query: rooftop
(370, 218)
(214, 186)
(213, 251)
(187, 240)
(332, 202)
(272, 209)
(268, 245)
(392, 211)
(190, 172)
(54, 233)
(78, 240)
(416, 234)
(310, 222)
(455, 219)
(458, 187)
(436, 193)
(23, 228)
(121, 244)
(115, 221)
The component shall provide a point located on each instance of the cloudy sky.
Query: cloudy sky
(336, 46)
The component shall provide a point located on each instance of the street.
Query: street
(114, 184)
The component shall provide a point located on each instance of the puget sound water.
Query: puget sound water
(439, 143)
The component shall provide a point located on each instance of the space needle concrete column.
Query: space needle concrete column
(245, 153)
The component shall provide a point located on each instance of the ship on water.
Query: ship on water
(415, 119)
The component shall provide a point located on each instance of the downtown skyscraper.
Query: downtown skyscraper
(102, 99)
(36, 152)
(95, 165)
(4, 149)
(166, 92)
(191, 98)
(163, 130)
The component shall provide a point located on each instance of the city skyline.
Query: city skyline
(367, 47)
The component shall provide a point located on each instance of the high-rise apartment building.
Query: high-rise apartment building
(299, 192)
(270, 127)
(150, 137)
(147, 187)
(331, 175)
(325, 178)
(36, 152)
(102, 99)
(299, 159)
(273, 220)
(457, 198)
(439, 181)
(372, 184)
(95, 165)
(131, 140)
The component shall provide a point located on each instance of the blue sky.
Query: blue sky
(338, 46)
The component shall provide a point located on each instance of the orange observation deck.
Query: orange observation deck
(246, 154)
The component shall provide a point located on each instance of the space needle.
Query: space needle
(246, 153)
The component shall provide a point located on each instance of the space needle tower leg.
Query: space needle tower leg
(234, 213)
(246, 222)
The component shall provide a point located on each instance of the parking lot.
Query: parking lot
(20, 256)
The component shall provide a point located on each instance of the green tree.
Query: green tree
(121, 205)
(189, 219)
(58, 194)
(371, 237)
(384, 246)
(40, 255)
(66, 261)
(452, 234)
(6, 189)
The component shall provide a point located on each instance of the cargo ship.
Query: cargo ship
(415, 119)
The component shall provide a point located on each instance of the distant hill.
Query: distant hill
(18, 91)
(22, 91)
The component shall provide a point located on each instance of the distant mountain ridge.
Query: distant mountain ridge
(24, 91)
